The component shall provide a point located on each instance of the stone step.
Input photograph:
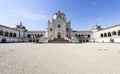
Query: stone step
(58, 41)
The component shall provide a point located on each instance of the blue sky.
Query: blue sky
(83, 13)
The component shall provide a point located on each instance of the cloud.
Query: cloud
(24, 13)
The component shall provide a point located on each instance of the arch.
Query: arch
(4, 40)
(58, 35)
(83, 40)
(76, 35)
(118, 32)
(79, 35)
(35, 35)
(82, 35)
(1, 33)
(109, 34)
(28, 36)
(101, 35)
(80, 40)
(50, 29)
(11, 34)
(105, 34)
(38, 35)
(14, 35)
(87, 40)
(67, 29)
(114, 33)
(6, 34)
(41, 35)
(111, 40)
(88, 35)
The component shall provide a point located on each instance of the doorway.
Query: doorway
(59, 36)
(3, 40)
(111, 40)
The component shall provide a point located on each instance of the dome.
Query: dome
(59, 15)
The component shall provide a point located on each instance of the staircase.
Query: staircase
(61, 40)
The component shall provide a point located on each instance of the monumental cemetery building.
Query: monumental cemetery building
(59, 30)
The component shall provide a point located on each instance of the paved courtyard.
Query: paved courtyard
(90, 58)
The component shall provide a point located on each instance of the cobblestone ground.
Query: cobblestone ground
(90, 58)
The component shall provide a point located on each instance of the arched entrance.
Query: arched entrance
(3, 40)
(58, 35)
(111, 40)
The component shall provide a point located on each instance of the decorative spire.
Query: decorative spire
(20, 22)
(96, 24)
(58, 11)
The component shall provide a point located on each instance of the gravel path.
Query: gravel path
(90, 58)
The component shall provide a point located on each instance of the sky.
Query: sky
(83, 14)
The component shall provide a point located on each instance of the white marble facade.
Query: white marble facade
(59, 27)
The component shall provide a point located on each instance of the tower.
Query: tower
(22, 30)
(58, 27)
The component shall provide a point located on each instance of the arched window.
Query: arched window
(79, 35)
(67, 29)
(119, 33)
(14, 35)
(105, 34)
(87, 40)
(82, 35)
(83, 40)
(11, 34)
(41, 35)
(114, 33)
(38, 35)
(6, 34)
(1, 33)
(76, 35)
(28, 36)
(88, 35)
(50, 29)
(109, 34)
(101, 35)
(67, 35)
(35, 35)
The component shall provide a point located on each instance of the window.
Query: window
(79, 35)
(28, 36)
(41, 35)
(50, 29)
(113, 33)
(1, 33)
(6, 34)
(66, 29)
(88, 36)
(105, 34)
(11, 34)
(119, 33)
(109, 34)
(101, 35)
(59, 26)
(76, 35)
(38, 35)
(14, 35)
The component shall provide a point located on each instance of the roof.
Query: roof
(111, 27)
(80, 31)
(8, 27)
(35, 31)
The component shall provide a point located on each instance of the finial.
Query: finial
(20, 22)
(96, 24)
(58, 11)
